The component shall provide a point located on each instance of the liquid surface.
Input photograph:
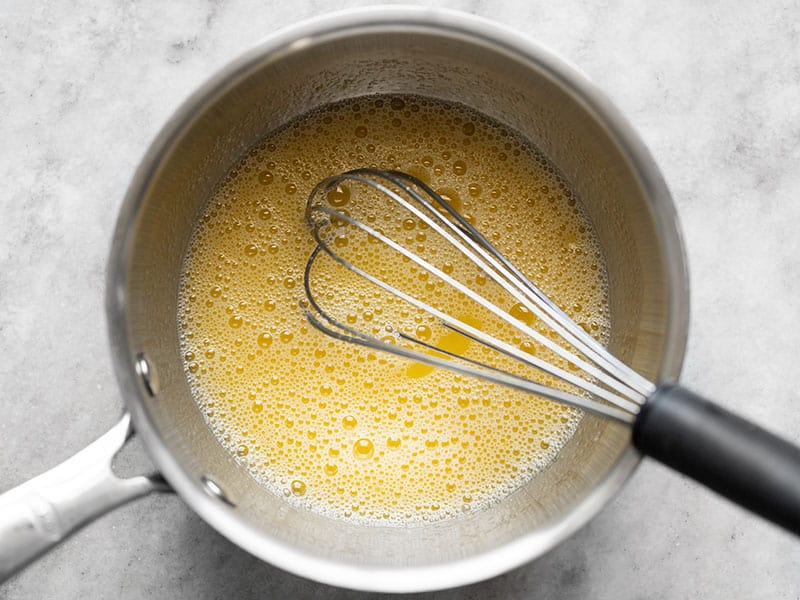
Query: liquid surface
(339, 429)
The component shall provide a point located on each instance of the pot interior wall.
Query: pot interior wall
(270, 90)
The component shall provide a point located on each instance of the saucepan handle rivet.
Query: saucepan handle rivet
(213, 489)
(146, 374)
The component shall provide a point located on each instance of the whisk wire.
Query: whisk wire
(471, 331)
(544, 308)
(334, 328)
(618, 383)
(551, 314)
(526, 330)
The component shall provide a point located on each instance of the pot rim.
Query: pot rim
(225, 519)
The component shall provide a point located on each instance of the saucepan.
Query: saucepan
(431, 53)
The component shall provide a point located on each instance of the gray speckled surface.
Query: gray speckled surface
(714, 90)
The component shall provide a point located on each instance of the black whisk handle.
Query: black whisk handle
(730, 455)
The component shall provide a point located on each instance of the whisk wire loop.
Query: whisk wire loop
(321, 320)
(608, 378)
(542, 306)
(469, 330)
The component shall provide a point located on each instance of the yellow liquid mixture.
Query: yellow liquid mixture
(339, 429)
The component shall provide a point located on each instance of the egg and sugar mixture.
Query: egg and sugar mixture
(341, 429)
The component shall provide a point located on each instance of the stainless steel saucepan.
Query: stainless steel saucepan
(388, 50)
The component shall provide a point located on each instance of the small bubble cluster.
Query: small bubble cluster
(348, 432)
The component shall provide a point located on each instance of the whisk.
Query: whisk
(668, 422)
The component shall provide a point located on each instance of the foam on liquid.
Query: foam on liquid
(339, 429)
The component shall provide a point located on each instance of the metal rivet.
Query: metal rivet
(213, 489)
(146, 374)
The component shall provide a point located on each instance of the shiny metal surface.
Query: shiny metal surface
(214, 490)
(393, 50)
(40, 513)
(147, 375)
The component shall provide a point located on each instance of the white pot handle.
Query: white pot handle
(38, 514)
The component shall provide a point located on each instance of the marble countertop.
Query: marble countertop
(713, 90)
